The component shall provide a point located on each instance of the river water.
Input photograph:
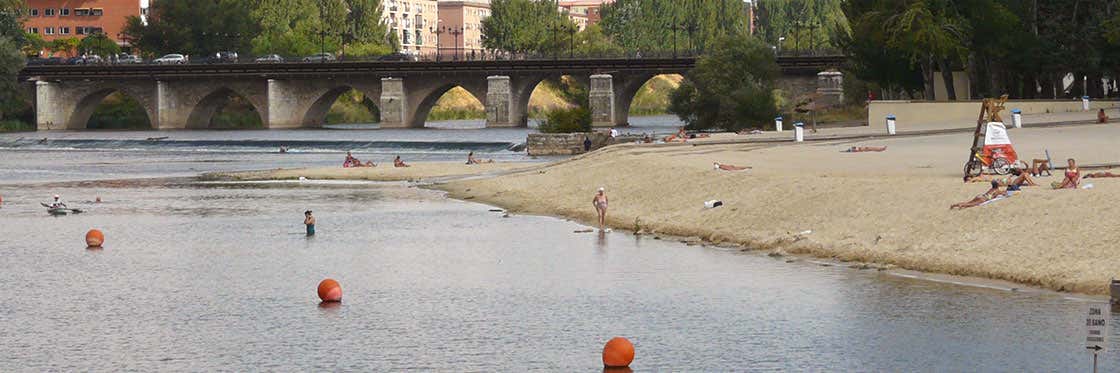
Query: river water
(199, 276)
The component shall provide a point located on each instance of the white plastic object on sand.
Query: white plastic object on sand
(713, 203)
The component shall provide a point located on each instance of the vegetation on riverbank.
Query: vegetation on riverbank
(15, 126)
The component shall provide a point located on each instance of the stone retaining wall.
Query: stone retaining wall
(916, 114)
(565, 143)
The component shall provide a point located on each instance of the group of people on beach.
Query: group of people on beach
(1005, 186)
(352, 161)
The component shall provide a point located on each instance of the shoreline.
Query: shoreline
(885, 209)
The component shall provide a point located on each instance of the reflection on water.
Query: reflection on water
(222, 277)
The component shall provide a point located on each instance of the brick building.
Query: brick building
(57, 19)
(460, 26)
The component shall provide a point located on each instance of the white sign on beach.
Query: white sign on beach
(996, 134)
(1096, 327)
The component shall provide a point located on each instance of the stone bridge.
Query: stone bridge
(298, 95)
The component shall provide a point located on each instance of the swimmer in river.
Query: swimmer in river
(309, 221)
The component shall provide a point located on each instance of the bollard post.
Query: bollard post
(1017, 118)
(1085, 103)
(1114, 292)
(890, 124)
(778, 123)
(798, 132)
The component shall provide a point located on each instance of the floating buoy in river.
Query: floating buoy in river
(94, 238)
(618, 353)
(330, 291)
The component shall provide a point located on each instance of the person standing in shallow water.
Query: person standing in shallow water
(309, 221)
(600, 202)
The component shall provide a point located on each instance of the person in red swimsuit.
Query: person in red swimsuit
(1073, 177)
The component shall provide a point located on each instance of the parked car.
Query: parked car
(223, 57)
(35, 61)
(128, 59)
(91, 59)
(54, 61)
(399, 57)
(271, 58)
(171, 59)
(319, 57)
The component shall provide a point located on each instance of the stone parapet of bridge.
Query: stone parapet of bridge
(300, 95)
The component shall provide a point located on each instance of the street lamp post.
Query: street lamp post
(673, 26)
(571, 41)
(439, 32)
(455, 32)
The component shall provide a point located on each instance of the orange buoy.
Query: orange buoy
(94, 238)
(618, 353)
(330, 291)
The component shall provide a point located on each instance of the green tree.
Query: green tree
(12, 39)
(302, 27)
(526, 26)
(804, 24)
(731, 88)
(194, 27)
(99, 44)
(64, 45)
(33, 44)
(661, 25)
(593, 42)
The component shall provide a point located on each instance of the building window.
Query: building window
(64, 11)
(80, 30)
(48, 12)
(96, 12)
(81, 12)
(34, 12)
(32, 30)
(64, 31)
(48, 31)
(419, 39)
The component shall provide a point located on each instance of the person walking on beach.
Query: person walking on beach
(309, 221)
(600, 202)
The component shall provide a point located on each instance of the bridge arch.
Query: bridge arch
(316, 113)
(202, 114)
(431, 95)
(88, 103)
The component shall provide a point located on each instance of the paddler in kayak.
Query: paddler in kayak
(57, 204)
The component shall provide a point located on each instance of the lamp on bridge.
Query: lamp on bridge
(439, 32)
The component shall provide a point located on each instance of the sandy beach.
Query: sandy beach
(888, 208)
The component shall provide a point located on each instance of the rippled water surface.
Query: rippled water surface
(212, 276)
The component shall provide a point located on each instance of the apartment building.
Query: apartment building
(56, 19)
(460, 31)
(414, 23)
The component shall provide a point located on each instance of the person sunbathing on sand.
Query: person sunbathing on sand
(1072, 177)
(1037, 166)
(861, 149)
(397, 162)
(980, 199)
(1098, 175)
(727, 167)
(472, 160)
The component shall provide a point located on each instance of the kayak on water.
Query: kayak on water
(60, 210)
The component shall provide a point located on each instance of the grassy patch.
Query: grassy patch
(16, 126)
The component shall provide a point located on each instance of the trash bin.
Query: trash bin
(778, 124)
(1085, 103)
(890, 124)
(798, 132)
(1017, 118)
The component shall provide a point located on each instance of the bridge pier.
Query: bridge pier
(507, 100)
(49, 109)
(394, 104)
(611, 96)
